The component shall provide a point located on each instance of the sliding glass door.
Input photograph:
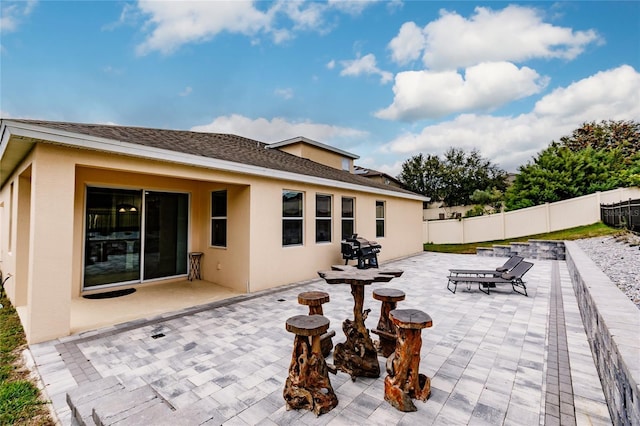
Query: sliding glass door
(165, 239)
(131, 237)
(112, 236)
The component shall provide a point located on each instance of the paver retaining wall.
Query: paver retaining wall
(612, 323)
(534, 249)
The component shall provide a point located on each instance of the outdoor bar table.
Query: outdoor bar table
(357, 356)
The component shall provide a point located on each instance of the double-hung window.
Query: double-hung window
(292, 218)
(219, 218)
(380, 219)
(348, 217)
(323, 218)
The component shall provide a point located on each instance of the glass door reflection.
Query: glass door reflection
(112, 237)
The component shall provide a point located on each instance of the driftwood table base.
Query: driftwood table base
(403, 382)
(308, 385)
(357, 356)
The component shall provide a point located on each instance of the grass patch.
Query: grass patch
(589, 231)
(20, 401)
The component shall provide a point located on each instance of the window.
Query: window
(346, 164)
(379, 219)
(348, 217)
(292, 218)
(323, 218)
(219, 218)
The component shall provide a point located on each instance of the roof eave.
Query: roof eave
(27, 130)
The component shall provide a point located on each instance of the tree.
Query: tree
(486, 202)
(463, 173)
(422, 175)
(609, 135)
(559, 173)
(452, 179)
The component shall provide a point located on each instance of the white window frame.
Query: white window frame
(225, 218)
(293, 218)
(346, 218)
(381, 218)
(324, 218)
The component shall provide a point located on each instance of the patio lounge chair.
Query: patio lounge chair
(513, 277)
(508, 266)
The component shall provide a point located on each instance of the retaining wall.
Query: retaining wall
(612, 324)
(534, 249)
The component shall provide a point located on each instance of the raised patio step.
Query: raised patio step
(107, 402)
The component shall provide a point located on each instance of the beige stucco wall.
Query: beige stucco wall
(548, 217)
(45, 255)
(316, 154)
(303, 262)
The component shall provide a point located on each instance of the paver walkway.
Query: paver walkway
(493, 359)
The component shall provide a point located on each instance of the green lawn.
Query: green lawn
(596, 230)
(20, 401)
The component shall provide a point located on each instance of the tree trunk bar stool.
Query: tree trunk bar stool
(357, 356)
(314, 300)
(403, 381)
(194, 266)
(308, 384)
(386, 330)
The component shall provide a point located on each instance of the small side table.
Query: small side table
(194, 265)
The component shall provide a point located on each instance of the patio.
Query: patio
(493, 359)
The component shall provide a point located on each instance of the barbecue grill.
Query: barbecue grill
(362, 250)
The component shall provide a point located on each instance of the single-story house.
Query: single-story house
(86, 208)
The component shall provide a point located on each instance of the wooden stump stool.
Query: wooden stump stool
(308, 384)
(403, 381)
(314, 300)
(386, 330)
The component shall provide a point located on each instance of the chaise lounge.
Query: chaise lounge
(506, 267)
(513, 277)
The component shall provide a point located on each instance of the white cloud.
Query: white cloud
(486, 86)
(365, 65)
(112, 70)
(351, 7)
(13, 12)
(186, 92)
(286, 93)
(278, 129)
(514, 34)
(331, 64)
(513, 141)
(171, 24)
(176, 23)
(407, 45)
(614, 92)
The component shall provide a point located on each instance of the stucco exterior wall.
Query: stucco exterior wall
(271, 262)
(316, 154)
(45, 254)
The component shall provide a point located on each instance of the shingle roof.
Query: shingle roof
(218, 146)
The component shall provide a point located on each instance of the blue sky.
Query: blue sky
(385, 80)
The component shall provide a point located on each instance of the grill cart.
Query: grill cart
(362, 250)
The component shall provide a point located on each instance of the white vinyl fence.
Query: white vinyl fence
(548, 217)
